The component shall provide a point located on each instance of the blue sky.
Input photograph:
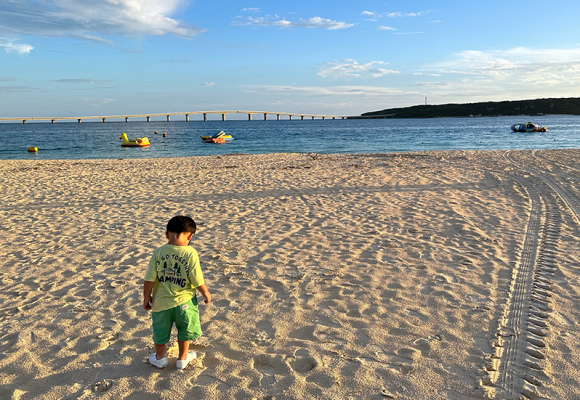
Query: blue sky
(114, 57)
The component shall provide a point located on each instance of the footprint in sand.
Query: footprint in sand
(446, 278)
(109, 323)
(425, 288)
(329, 336)
(408, 353)
(208, 380)
(418, 315)
(266, 333)
(423, 345)
(107, 333)
(303, 362)
(401, 361)
(102, 386)
(109, 336)
(267, 371)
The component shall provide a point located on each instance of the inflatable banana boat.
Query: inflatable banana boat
(139, 142)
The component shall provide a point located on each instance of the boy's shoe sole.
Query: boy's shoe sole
(181, 364)
(158, 363)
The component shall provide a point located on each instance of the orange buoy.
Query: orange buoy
(33, 149)
(164, 134)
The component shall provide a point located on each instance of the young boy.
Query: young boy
(169, 288)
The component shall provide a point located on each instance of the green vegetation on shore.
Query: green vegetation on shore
(570, 106)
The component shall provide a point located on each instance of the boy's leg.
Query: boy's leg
(160, 351)
(183, 349)
(162, 323)
(188, 326)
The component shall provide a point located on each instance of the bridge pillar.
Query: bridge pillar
(332, 117)
(205, 116)
(323, 117)
(148, 119)
(23, 121)
(342, 117)
(290, 117)
(53, 121)
(104, 120)
(168, 118)
(223, 117)
(79, 120)
(265, 116)
(126, 119)
(302, 117)
(313, 117)
(249, 117)
(278, 117)
(186, 117)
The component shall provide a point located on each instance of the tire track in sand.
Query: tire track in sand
(571, 202)
(517, 367)
(536, 153)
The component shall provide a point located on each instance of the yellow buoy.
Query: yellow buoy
(33, 149)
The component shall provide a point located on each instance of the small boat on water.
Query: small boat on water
(139, 142)
(529, 127)
(219, 137)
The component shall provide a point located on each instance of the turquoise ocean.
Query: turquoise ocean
(91, 140)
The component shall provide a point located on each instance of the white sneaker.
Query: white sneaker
(158, 363)
(181, 364)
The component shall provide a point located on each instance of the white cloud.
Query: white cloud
(91, 20)
(386, 28)
(83, 80)
(530, 66)
(396, 14)
(365, 91)
(371, 15)
(346, 69)
(178, 60)
(399, 14)
(251, 9)
(19, 89)
(97, 102)
(97, 39)
(511, 74)
(276, 21)
(207, 84)
(9, 46)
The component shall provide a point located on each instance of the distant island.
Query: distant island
(570, 106)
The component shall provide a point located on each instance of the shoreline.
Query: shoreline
(418, 153)
(334, 275)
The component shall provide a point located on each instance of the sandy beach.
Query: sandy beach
(434, 275)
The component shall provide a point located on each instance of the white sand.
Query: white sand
(334, 276)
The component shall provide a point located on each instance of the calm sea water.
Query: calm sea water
(71, 140)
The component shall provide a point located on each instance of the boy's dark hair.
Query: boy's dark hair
(181, 223)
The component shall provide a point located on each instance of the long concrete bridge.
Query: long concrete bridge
(186, 114)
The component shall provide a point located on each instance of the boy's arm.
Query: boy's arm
(205, 293)
(147, 298)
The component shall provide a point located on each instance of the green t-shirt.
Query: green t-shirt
(176, 273)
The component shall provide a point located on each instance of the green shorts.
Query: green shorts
(186, 318)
